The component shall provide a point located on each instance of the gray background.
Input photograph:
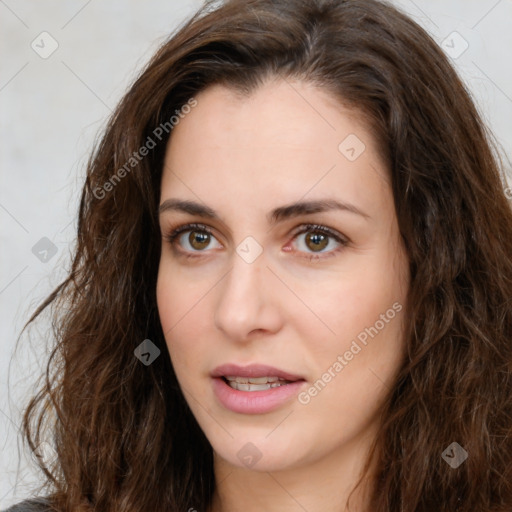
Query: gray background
(53, 108)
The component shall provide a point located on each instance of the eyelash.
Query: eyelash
(305, 228)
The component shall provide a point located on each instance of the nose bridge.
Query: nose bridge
(244, 277)
(244, 303)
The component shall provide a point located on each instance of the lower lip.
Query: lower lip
(254, 402)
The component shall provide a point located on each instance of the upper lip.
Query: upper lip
(253, 370)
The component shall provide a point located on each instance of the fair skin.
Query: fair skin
(298, 306)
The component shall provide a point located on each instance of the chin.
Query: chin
(258, 453)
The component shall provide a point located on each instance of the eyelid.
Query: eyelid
(188, 227)
(342, 240)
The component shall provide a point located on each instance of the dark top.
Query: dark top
(31, 505)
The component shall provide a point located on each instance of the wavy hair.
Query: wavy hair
(125, 438)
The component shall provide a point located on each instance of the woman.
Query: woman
(292, 280)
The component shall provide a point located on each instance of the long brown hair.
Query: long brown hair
(125, 437)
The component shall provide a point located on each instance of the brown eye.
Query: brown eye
(199, 239)
(193, 238)
(316, 241)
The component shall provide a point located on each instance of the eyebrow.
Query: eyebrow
(277, 215)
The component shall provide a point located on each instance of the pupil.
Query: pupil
(319, 240)
(198, 239)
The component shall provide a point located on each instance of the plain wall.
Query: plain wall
(52, 109)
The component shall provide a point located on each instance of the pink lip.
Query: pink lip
(254, 402)
(253, 370)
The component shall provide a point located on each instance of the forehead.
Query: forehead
(286, 138)
(278, 112)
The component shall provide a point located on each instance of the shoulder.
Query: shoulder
(31, 505)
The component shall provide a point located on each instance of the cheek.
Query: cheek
(355, 367)
(350, 302)
(356, 317)
(165, 299)
(172, 296)
(178, 298)
(181, 308)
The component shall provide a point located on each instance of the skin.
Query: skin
(298, 306)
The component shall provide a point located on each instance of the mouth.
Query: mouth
(254, 374)
(254, 389)
(255, 383)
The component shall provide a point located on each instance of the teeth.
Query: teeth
(255, 383)
(255, 387)
(254, 380)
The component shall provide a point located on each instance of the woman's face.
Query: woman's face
(253, 286)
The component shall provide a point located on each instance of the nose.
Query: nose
(247, 300)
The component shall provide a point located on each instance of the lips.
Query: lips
(235, 388)
(254, 371)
